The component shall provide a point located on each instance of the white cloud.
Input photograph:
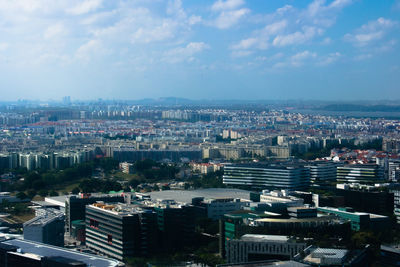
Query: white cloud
(84, 7)
(261, 37)
(175, 8)
(363, 57)
(187, 53)
(85, 51)
(194, 20)
(3, 46)
(221, 5)
(303, 55)
(54, 31)
(230, 18)
(245, 44)
(164, 30)
(284, 9)
(326, 41)
(370, 32)
(329, 59)
(241, 53)
(289, 26)
(297, 37)
(324, 15)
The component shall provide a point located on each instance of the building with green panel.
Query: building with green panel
(359, 220)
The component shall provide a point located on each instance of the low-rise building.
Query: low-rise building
(359, 220)
(251, 247)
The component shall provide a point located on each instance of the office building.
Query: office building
(281, 197)
(46, 228)
(360, 220)
(176, 224)
(275, 176)
(396, 202)
(252, 247)
(216, 208)
(367, 200)
(236, 224)
(322, 172)
(360, 173)
(302, 212)
(75, 205)
(121, 230)
(126, 167)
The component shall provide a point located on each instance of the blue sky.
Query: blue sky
(223, 49)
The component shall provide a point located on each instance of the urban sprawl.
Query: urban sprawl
(108, 183)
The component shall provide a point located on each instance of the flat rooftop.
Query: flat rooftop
(186, 196)
(265, 263)
(47, 217)
(45, 250)
(60, 200)
(272, 166)
(264, 238)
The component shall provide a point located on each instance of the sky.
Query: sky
(221, 49)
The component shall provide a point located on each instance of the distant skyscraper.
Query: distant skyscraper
(66, 100)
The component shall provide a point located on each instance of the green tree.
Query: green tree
(43, 193)
(76, 190)
(53, 193)
(21, 195)
(31, 193)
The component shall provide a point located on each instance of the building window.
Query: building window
(109, 239)
(94, 224)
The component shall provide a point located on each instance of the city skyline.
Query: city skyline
(234, 49)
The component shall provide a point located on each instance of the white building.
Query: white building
(256, 247)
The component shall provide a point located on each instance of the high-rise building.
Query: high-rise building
(121, 230)
(75, 206)
(176, 225)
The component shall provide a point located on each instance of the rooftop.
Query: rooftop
(186, 196)
(264, 238)
(47, 216)
(45, 250)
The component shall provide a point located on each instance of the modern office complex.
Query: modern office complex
(360, 173)
(121, 230)
(359, 220)
(216, 208)
(46, 228)
(375, 199)
(252, 247)
(277, 176)
(322, 172)
(75, 206)
(176, 225)
(396, 196)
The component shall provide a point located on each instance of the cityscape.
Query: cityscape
(217, 133)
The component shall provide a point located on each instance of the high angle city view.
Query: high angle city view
(199, 133)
